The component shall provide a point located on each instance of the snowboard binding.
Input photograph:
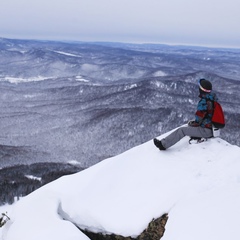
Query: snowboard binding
(197, 140)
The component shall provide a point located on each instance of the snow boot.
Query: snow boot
(158, 144)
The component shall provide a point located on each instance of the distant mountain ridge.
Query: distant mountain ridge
(111, 62)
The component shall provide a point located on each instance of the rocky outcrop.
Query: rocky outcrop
(154, 231)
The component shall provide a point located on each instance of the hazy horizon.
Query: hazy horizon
(198, 23)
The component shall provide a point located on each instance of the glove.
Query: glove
(193, 123)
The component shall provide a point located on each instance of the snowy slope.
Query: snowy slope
(198, 185)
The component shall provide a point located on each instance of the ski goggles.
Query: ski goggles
(203, 89)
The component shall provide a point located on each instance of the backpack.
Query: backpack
(218, 119)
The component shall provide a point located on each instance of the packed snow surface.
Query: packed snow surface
(198, 185)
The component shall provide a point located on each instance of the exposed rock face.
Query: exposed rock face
(154, 231)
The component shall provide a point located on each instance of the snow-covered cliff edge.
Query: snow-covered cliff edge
(197, 185)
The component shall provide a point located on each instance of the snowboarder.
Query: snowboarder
(201, 127)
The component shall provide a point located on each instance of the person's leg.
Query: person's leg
(181, 132)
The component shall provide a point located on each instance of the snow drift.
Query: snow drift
(198, 185)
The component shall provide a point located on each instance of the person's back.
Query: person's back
(205, 109)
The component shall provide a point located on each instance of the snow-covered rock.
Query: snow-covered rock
(198, 185)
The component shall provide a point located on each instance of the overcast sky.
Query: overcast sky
(194, 22)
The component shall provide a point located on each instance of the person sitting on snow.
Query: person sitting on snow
(201, 127)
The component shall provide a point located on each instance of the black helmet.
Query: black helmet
(204, 86)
